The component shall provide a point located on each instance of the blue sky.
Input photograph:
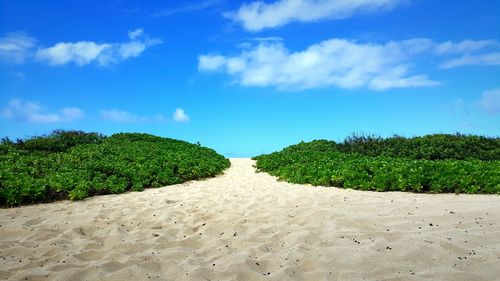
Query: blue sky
(246, 77)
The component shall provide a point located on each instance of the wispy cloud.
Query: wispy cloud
(180, 115)
(268, 39)
(123, 116)
(86, 52)
(189, 7)
(465, 46)
(247, 43)
(344, 63)
(478, 59)
(18, 75)
(490, 101)
(259, 15)
(28, 111)
(469, 52)
(16, 47)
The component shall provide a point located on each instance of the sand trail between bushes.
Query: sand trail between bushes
(247, 226)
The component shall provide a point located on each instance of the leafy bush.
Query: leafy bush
(57, 141)
(115, 164)
(430, 147)
(432, 164)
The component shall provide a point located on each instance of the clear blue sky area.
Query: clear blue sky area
(247, 78)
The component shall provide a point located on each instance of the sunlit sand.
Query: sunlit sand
(247, 226)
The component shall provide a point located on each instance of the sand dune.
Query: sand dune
(247, 226)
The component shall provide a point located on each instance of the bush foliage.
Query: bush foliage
(434, 163)
(76, 165)
(57, 141)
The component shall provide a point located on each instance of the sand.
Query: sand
(247, 226)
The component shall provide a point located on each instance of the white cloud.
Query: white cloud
(133, 34)
(469, 52)
(121, 116)
(190, 7)
(465, 46)
(396, 78)
(477, 59)
(472, 52)
(448, 48)
(139, 42)
(180, 116)
(346, 64)
(335, 62)
(86, 52)
(268, 39)
(132, 49)
(27, 111)
(490, 101)
(16, 47)
(81, 53)
(211, 62)
(72, 113)
(259, 15)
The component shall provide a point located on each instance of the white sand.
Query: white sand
(248, 226)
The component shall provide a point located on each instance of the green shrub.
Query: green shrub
(85, 165)
(57, 141)
(430, 147)
(435, 164)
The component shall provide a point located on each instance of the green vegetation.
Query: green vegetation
(435, 163)
(76, 165)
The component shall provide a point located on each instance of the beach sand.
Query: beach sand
(247, 226)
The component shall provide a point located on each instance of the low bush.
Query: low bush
(57, 141)
(430, 147)
(435, 164)
(78, 165)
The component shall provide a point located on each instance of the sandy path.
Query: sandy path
(247, 226)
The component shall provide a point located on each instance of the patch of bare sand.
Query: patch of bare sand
(248, 226)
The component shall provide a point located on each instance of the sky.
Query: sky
(250, 77)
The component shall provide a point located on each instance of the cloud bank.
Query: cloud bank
(339, 62)
(259, 15)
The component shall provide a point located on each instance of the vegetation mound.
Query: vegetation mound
(434, 163)
(76, 165)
